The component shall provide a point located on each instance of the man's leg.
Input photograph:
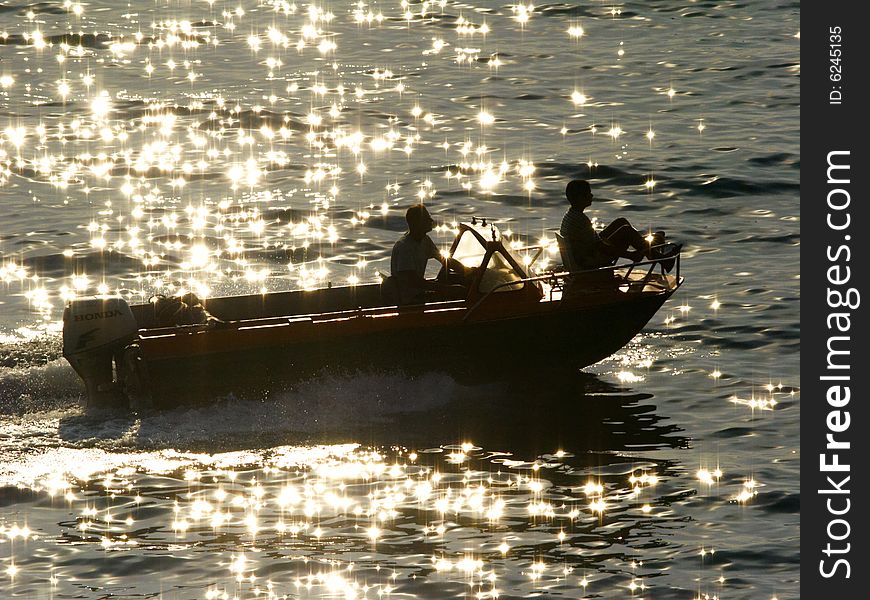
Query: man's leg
(620, 234)
(616, 224)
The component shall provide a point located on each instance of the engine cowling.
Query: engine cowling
(95, 333)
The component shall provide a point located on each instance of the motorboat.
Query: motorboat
(497, 309)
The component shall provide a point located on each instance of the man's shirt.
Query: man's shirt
(583, 240)
(411, 255)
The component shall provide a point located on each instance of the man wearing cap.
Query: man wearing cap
(590, 249)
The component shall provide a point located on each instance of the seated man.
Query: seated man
(410, 256)
(590, 249)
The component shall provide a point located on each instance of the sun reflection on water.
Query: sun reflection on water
(337, 116)
(241, 507)
(145, 160)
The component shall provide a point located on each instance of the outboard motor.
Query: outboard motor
(95, 332)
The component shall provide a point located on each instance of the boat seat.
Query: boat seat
(389, 291)
(583, 283)
(568, 260)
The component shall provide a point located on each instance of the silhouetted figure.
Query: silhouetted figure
(410, 256)
(590, 249)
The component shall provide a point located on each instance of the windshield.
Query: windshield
(469, 251)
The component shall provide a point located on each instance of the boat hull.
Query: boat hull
(208, 364)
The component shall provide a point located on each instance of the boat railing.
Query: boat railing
(555, 279)
(314, 318)
(620, 271)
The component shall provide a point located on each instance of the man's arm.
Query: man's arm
(451, 263)
(447, 262)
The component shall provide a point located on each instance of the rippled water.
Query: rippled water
(232, 147)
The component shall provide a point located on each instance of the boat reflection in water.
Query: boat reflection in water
(512, 487)
(498, 310)
(498, 408)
